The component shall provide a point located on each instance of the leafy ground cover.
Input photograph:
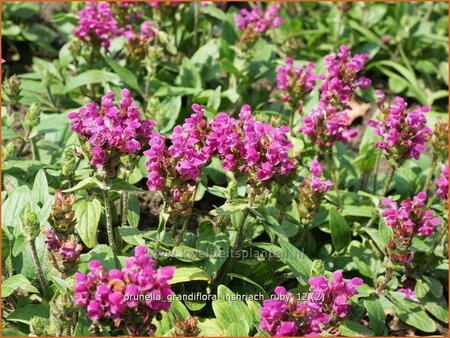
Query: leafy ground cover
(224, 169)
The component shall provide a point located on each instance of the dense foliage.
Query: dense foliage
(224, 169)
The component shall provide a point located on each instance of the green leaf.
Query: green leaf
(210, 328)
(6, 332)
(298, 262)
(40, 188)
(352, 329)
(126, 75)
(90, 77)
(51, 124)
(134, 209)
(24, 314)
(187, 254)
(178, 309)
(239, 307)
(340, 231)
(121, 185)
(87, 183)
(411, 313)
(83, 324)
(13, 205)
(225, 314)
(376, 315)
(189, 75)
(188, 274)
(61, 283)
(131, 235)
(88, 216)
(17, 282)
(235, 330)
(171, 107)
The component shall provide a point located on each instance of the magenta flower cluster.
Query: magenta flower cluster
(251, 146)
(329, 121)
(146, 34)
(257, 20)
(403, 133)
(68, 250)
(186, 154)
(119, 294)
(295, 82)
(410, 218)
(442, 184)
(285, 316)
(407, 220)
(315, 182)
(96, 23)
(110, 130)
(243, 145)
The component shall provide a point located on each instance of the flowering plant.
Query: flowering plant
(224, 169)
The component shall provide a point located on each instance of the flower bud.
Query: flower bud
(30, 224)
(63, 217)
(46, 78)
(38, 326)
(68, 162)
(11, 89)
(32, 118)
(187, 328)
(8, 150)
(317, 268)
(439, 139)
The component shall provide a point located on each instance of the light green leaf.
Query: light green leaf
(188, 274)
(17, 282)
(88, 216)
(90, 77)
(40, 188)
(87, 183)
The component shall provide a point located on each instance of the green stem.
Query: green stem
(239, 240)
(161, 229)
(108, 216)
(182, 231)
(335, 176)
(52, 98)
(387, 277)
(186, 221)
(388, 181)
(124, 200)
(375, 177)
(430, 173)
(124, 221)
(37, 265)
